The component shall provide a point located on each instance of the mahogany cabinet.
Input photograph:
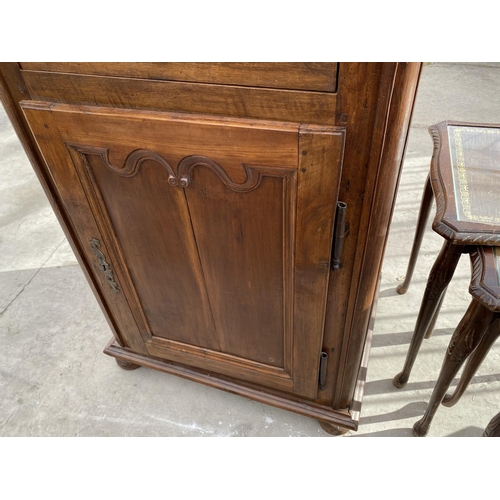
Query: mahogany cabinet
(231, 218)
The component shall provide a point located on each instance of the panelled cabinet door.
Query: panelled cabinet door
(210, 238)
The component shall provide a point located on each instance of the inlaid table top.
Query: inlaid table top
(485, 282)
(465, 178)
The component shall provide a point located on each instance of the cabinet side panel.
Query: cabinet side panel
(358, 94)
(397, 97)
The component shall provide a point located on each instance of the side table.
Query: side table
(465, 181)
(474, 336)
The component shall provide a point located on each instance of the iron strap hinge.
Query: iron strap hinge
(323, 361)
(338, 235)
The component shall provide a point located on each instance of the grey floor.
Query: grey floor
(55, 381)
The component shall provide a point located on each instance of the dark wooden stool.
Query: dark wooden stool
(474, 336)
(465, 182)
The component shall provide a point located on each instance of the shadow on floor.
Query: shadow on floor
(406, 432)
(402, 338)
(385, 386)
(410, 410)
(470, 431)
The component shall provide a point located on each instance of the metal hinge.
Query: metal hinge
(323, 361)
(338, 235)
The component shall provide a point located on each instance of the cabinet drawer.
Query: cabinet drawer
(296, 106)
(321, 77)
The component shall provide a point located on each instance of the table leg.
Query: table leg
(439, 277)
(423, 216)
(473, 363)
(463, 341)
(432, 324)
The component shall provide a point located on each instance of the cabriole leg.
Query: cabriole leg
(473, 363)
(439, 277)
(423, 216)
(463, 341)
(430, 329)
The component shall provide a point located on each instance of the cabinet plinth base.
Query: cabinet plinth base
(125, 365)
(325, 414)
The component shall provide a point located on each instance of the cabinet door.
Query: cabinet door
(210, 238)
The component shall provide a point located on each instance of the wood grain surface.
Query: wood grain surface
(207, 223)
(224, 100)
(281, 75)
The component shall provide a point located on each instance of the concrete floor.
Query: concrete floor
(55, 381)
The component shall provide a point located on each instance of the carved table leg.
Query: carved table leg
(423, 216)
(430, 329)
(473, 363)
(125, 365)
(439, 277)
(463, 341)
(334, 430)
(493, 428)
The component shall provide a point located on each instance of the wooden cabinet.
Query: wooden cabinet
(202, 202)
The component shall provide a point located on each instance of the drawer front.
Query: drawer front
(216, 233)
(320, 77)
(212, 99)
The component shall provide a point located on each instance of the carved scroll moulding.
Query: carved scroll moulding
(183, 175)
